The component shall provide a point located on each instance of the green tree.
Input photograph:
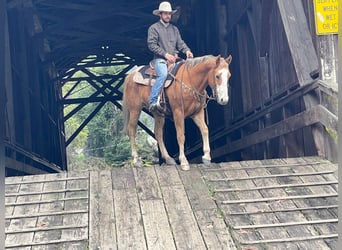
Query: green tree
(102, 138)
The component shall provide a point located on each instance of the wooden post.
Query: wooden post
(3, 29)
(299, 39)
(339, 108)
(305, 60)
(24, 79)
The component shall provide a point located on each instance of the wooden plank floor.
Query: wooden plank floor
(270, 204)
(278, 204)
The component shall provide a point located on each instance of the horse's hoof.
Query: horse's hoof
(138, 164)
(185, 167)
(170, 161)
(206, 162)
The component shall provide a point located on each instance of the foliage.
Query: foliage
(106, 139)
(102, 137)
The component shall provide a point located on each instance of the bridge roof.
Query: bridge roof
(70, 31)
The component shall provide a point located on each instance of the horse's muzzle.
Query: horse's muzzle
(222, 101)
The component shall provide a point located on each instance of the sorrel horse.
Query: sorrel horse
(187, 98)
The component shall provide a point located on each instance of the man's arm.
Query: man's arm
(181, 45)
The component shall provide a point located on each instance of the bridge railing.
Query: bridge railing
(282, 127)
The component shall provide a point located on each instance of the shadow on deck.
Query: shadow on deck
(268, 204)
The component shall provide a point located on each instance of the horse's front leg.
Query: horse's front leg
(159, 122)
(199, 121)
(179, 124)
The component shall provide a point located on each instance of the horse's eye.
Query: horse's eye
(217, 77)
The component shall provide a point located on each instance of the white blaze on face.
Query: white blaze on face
(222, 89)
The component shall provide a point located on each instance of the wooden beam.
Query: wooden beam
(291, 239)
(14, 164)
(296, 209)
(8, 82)
(67, 5)
(260, 167)
(299, 39)
(15, 3)
(267, 6)
(94, 95)
(273, 176)
(85, 122)
(22, 82)
(240, 9)
(285, 224)
(224, 190)
(55, 213)
(91, 100)
(36, 202)
(3, 36)
(317, 114)
(22, 167)
(279, 198)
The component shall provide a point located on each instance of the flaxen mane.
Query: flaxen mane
(194, 61)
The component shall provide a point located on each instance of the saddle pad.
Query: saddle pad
(141, 78)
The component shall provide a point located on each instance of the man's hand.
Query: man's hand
(170, 58)
(189, 54)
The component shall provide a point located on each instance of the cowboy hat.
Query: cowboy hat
(164, 7)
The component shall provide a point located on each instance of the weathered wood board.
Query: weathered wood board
(268, 204)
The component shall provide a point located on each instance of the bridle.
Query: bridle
(203, 97)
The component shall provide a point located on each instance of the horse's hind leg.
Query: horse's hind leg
(131, 130)
(199, 121)
(158, 131)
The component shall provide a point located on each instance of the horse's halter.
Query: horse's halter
(203, 97)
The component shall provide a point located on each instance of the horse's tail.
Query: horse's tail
(125, 110)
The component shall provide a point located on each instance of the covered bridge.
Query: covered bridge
(265, 192)
(283, 86)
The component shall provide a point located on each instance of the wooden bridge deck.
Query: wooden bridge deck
(270, 204)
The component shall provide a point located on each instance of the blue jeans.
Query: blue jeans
(161, 70)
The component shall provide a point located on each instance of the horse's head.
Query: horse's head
(219, 82)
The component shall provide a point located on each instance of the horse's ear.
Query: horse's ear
(229, 59)
(218, 59)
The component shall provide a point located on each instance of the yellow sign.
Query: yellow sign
(326, 16)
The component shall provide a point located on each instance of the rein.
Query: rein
(200, 97)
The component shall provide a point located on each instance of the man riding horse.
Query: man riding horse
(186, 94)
(164, 40)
